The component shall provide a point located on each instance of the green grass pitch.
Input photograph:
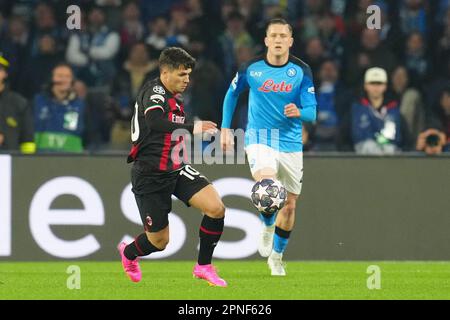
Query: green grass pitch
(247, 280)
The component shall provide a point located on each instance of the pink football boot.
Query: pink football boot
(131, 267)
(208, 273)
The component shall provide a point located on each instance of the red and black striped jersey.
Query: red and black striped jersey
(157, 150)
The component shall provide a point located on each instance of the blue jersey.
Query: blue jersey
(271, 89)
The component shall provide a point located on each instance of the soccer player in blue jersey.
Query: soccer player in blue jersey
(281, 98)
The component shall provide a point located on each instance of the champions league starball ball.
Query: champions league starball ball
(268, 196)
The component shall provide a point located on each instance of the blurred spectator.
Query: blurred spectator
(154, 8)
(391, 34)
(16, 120)
(59, 114)
(38, 68)
(93, 49)
(179, 26)
(371, 53)
(415, 58)
(356, 16)
(413, 16)
(313, 10)
(113, 12)
(443, 47)
(276, 7)
(331, 31)
(250, 10)
(315, 54)
(234, 37)
(160, 38)
(271, 9)
(227, 7)
(2, 25)
(331, 35)
(45, 23)
(195, 8)
(132, 28)
(437, 137)
(411, 106)
(135, 72)
(202, 17)
(159, 29)
(442, 8)
(15, 45)
(331, 132)
(23, 8)
(179, 19)
(432, 142)
(338, 7)
(207, 89)
(376, 123)
(98, 118)
(18, 32)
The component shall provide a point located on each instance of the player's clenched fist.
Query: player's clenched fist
(291, 111)
(205, 126)
(226, 139)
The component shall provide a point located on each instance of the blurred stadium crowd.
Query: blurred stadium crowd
(74, 90)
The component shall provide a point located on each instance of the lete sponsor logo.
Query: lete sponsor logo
(271, 86)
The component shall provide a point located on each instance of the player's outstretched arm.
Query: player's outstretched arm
(205, 126)
(238, 85)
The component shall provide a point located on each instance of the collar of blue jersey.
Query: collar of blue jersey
(274, 66)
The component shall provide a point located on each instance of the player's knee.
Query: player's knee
(217, 210)
(159, 242)
(289, 208)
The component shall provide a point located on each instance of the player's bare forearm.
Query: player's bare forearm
(226, 139)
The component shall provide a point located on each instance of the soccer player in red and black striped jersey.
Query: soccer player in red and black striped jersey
(158, 173)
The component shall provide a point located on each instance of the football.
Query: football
(268, 196)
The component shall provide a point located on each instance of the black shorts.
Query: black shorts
(153, 193)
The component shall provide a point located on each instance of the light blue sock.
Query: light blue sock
(279, 242)
(268, 220)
